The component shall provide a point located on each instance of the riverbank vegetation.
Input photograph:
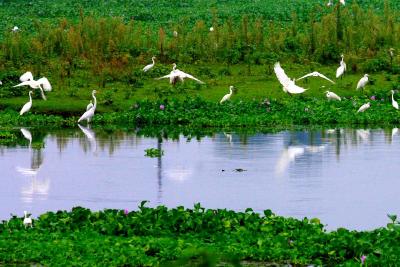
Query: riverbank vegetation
(190, 237)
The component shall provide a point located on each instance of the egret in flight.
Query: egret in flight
(342, 68)
(28, 105)
(362, 82)
(332, 96)
(394, 102)
(27, 220)
(364, 107)
(288, 85)
(90, 112)
(148, 67)
(316, 74)
(42, 84)
(178, 75)
(227, 96)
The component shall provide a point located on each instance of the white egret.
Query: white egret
(89, 106)
(43, 83)
(288, 85)
(27, 134)
(332, 96)
(364, 107)
(391, 52)
(343, 2)
(211, 29)
(362, 82)
(28, 105)
(178, 75)
(15, 29)
(227, 96)
(175, 33)
(27, 220)
(89, 113)
(316, 74)
(1, 83)
(329, 3)
(394, 102)
(148, 67)
(342, 68)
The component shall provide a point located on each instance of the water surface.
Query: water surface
(346, 177)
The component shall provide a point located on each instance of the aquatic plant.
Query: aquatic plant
(154, 152)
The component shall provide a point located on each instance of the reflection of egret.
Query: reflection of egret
(395, 131)
(178, 174)
(38, 188)
(86, 131)
(315, 149)
(363, 134)
(229, 137)
(27, 134)
(27, 171)
(288, 155)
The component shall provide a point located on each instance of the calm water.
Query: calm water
(345, 177)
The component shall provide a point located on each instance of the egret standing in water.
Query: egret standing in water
(227, 96)
(342, 68)
(362, 82)
(42, 84)
(28, 105)
(394, 102)
(148, 67)
(90, 112)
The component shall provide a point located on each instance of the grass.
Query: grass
(189, 237)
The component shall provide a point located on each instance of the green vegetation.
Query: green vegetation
(154, 152)
(158, 236)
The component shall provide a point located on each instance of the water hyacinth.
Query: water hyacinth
(373, 97)
(363, 258)
(162, 107)
(126, 211)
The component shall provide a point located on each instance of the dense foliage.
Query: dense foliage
(153, 236)
(198, 112)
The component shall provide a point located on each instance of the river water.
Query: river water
(345, 177)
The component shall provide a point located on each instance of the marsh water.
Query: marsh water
(345, 177)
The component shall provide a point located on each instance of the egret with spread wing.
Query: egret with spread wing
(316, 74)
(288, 85)
(42, 84)
(178, 75)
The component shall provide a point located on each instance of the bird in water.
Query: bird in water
(227, 96)
(394, 102)
(148, 67)
(43, 83)
(289, 85)
(364, 107)
(90, 112)
(332, 96)
(28, 105)
(27, 220)
(362, 82)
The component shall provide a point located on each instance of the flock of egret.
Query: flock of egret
(290, 87)
(176, 75)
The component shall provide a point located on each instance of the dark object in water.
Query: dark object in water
(239, 170)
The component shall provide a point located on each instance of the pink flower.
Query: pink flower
(162, 107)
(126, 211)
(363, 258)
(373, 97)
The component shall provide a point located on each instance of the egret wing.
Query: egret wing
(26, 76)
(23, 84)
(191, 77)
(164, 77)
(281, 75)
(305, 76)
(45, 83)
(324, 77)
(89, 106)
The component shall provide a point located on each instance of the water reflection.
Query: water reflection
(334, 174)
